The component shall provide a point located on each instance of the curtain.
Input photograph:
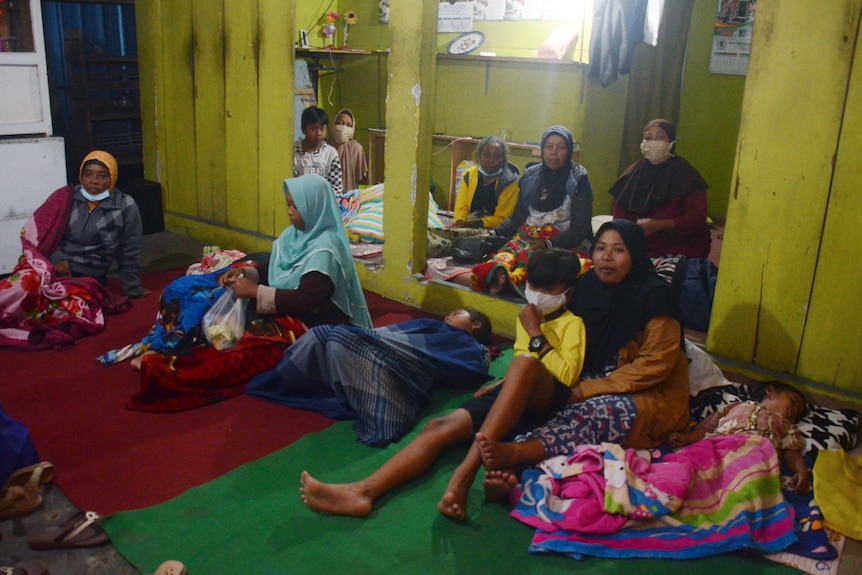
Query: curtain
(655, 80)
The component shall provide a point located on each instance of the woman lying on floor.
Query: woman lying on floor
(383, 376)
(308, 280)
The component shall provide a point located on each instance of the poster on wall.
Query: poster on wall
(731, 40)
(488, 10)
(564, 10)
(455, 16)
(523, 10)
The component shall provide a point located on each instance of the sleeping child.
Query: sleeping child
(774, 417)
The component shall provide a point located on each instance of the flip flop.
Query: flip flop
(35, 475)
(171, 568)
(80, 530)
(28, 567)
(17, 500)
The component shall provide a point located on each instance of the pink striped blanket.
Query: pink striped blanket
(714, 496)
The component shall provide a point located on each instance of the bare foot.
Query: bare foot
(498, 484)
(136, 361)
(454, 502)
(498, 282)
(453, 505)
(495, 455)
(336, 498)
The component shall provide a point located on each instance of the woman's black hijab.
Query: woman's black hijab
(552, 183)
(614, 313)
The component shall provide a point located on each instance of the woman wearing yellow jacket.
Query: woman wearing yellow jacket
(489, 190)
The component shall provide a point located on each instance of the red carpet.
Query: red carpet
(110, 459)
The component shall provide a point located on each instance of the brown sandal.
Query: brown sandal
(28, 567)
(80, 530)
(17, 500)
(171, 568)
(34, 475)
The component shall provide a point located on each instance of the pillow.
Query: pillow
(367, 223)
(822, 427)
(559, 43)
(702, 371)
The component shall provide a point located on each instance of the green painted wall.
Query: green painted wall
(216, 105)
(710, 110)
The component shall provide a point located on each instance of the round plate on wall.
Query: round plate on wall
(466, 43)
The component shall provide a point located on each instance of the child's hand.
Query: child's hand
(677, 440)
(531, 319)
(800, 483)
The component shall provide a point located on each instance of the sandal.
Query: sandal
(171, 568)
(80, 530)
(34, 475)
(25, 568)
(17, 500)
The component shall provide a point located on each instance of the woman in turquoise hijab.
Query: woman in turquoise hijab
(308, 280)
(310, 274)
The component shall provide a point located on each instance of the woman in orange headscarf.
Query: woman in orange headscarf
(56, 293)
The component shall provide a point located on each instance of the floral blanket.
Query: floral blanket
(39, 310)
(711, 497)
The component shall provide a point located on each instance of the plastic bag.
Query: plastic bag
(475, 249)
(224, 323)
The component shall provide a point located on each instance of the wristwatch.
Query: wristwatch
(537, 342)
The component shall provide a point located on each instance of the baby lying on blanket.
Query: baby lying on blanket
(773, 417)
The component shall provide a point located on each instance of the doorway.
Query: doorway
(93, 82)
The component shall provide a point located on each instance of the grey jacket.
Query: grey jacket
(93, 240)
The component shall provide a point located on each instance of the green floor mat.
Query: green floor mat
(252, 521)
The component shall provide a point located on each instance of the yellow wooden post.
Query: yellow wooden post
(833, 332)
(788, 135)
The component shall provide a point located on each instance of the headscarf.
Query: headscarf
(614, 313)
(104, 158)
(354, 166)
(645, 186)
(322, 247)
(330, 139)
(552, 183)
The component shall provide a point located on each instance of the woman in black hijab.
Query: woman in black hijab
(665, 195)
(554, 209)
(634, 387)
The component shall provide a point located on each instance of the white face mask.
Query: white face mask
(546, 303)
(656, 151)
(97, 197)
(342, 133)
(490, 175)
